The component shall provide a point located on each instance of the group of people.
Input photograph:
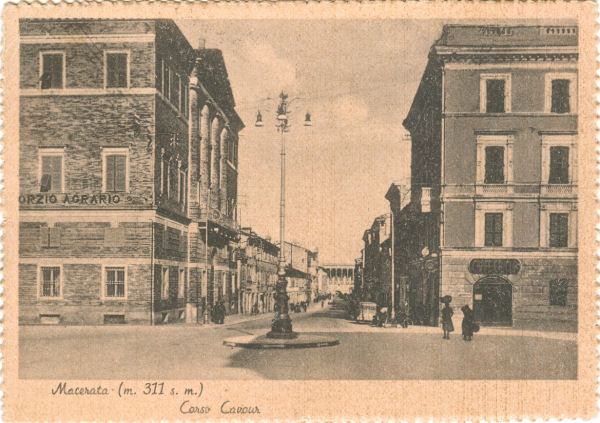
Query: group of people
(218, 312)
(298, 307)
(468, 323)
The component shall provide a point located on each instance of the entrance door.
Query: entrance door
(492, 301)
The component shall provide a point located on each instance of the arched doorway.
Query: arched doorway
(492, 301)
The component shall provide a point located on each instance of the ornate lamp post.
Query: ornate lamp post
(282, 323)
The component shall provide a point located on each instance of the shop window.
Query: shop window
(51, 171)
(559, 165)
(558, 292)
(559, 230)
(115, 171)
(114, 282)
(493, 230)
(164, 291)
(494, 165)
(50, 282)
(49, 237)
(53, 70)
(117, 69)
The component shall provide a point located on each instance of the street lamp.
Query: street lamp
(282, 323)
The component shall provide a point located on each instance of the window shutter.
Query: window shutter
(120, 172)
(54, 237)
(560, 96)
(110, 173)
(44, 236)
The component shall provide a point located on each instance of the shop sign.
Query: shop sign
(495, 266)
(93, 199)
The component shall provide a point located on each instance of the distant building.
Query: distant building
(118, 119)
(377, 262)
(301, 268)
(338, 277)
(493, 214)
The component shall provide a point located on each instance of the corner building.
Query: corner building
(494, 171)
(110, 173)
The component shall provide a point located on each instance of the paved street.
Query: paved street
(364, 352)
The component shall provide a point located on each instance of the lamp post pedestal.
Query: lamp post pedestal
(282, 323)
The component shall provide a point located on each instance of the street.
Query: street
(364, 352)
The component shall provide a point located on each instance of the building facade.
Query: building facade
(494, 174)
(376, 278)
(301, 272)
(114, 116)
(338, 277)
(257, 272)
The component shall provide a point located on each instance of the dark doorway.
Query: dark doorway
(492, 301)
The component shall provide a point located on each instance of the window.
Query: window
(181, 283)
(49, 237)
(51, 170)
(558, 292)
(166, 81)
(52, 72)
(560, 96)
(559, 165)
(493, 230)
(173, 178)
(117, 69)
(159, 75)
(560, 93)
(495, 161)
(182, 180)
(494, 165)
(175, 91)
(559, 230)
(494, 93)
(495, 96)
(115, 169)
(184, 97)
(50, 282)
(114, 282)
(164, 292)
(165, 179)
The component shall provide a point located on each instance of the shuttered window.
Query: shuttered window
(493, 230)
(116, 172)
(559, 165)
(116, 70)
(52, 71)
(51, 174)
(559, 230)
(560, 96)
(494, 165)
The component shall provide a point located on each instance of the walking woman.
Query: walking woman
(447, 312)
(468, 323)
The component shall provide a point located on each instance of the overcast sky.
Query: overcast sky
(358, 79)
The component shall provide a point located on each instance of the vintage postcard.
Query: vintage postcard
(258, 211)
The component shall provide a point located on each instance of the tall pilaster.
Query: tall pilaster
(225, 138)
(194, 148)
(204, 155)
(215, 152)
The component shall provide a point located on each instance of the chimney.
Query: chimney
(201, 44)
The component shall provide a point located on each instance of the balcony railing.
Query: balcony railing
(499, 190)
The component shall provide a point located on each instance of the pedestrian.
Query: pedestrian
(468, 323)
(447, 312)
(322, 303)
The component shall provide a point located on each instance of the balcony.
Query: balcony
(558, 190)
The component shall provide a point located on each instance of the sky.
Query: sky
(357, 78)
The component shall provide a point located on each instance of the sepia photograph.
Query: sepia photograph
(343, 200)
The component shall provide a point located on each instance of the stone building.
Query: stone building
(377, 262)
(110, 223)
(494, 174)
(301, 272)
